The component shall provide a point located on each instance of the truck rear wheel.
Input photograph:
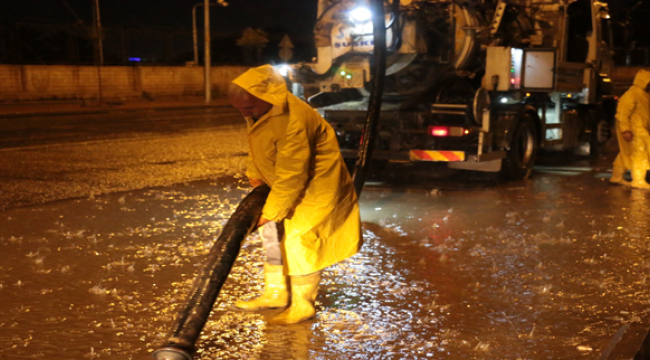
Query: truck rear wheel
(600, 134)
(519, 160)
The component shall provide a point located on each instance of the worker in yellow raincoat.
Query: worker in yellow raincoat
(311, 218)
(632, 126)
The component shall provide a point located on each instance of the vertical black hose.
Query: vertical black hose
(190, 320)
(378, 69)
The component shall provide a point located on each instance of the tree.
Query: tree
(253, 41)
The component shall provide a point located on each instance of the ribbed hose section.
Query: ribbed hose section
(190, 321)
(377, 91)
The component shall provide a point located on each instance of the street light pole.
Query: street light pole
(194, 35)
(207, 59)
(99, 54)
(206, 31)
(98, 33)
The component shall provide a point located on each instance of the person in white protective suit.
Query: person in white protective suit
(632, 130)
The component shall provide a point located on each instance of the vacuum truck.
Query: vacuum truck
(475, 84)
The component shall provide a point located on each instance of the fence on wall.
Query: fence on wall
(54, 44)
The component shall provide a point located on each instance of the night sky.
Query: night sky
(295, 15)
(278, 17)
(25, 37)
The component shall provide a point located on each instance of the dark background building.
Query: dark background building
(631, 31)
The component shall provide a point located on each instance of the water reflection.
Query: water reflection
(543, 269)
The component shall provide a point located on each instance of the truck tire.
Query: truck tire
(600, 133)
(520, 158)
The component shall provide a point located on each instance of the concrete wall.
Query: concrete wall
(46, 82)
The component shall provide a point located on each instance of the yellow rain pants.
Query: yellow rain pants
(633, 114)
(295, 151)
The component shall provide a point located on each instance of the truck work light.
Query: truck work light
(360, 14)
(283, 70)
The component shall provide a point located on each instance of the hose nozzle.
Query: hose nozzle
(170, 353)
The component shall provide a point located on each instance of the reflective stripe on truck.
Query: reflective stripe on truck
(433, 155)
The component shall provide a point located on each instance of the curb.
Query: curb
(107, 111)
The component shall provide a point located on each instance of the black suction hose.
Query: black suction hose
(374, 103)
(190, 321)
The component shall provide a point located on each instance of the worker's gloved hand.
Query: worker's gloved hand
(627, 136)
(255, 182)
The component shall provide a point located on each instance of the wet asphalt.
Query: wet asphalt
(49, 158)
(103, 230)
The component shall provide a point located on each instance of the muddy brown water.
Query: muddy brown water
(547, 268)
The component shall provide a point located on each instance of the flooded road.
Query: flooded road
(102, 235)
(74, 156)
(548, 268)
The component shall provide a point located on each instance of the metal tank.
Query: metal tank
(477, 85)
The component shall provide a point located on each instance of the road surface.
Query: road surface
(454, 268)
(60, 157)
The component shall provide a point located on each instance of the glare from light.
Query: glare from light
(604, 14)
(342, 73)
(360, 14)
(283, 70)
(504, 100)
(439, 131)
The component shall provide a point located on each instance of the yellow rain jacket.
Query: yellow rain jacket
(295, 151)
(633, 114)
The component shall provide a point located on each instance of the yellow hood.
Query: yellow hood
(265, 83)
(642, 79)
